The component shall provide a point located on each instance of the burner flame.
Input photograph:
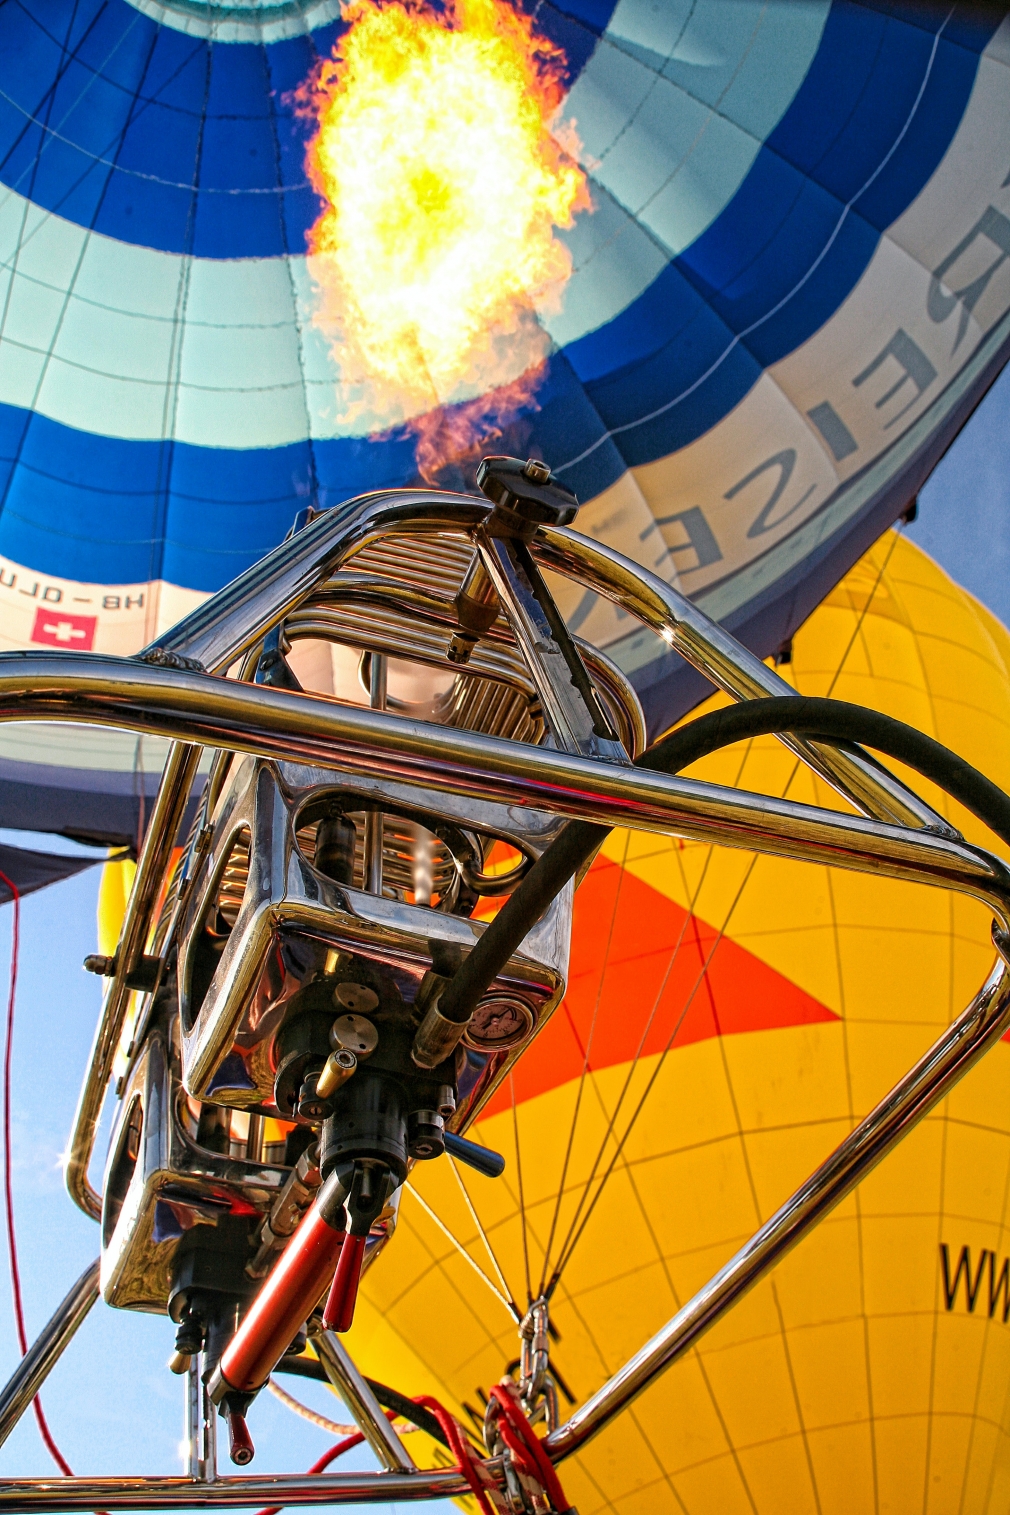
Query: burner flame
(444, 178)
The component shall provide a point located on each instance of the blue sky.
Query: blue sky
(111, 1404)
(964, 510)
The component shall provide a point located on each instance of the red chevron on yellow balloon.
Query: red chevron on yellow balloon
(647, 976)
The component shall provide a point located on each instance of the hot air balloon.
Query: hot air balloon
(771, 188)
(781, 294)
(728, 1018)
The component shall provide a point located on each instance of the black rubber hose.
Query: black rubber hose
(389, 1399)
(829, 720)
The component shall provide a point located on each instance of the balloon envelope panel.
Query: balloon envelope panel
(792, 288)
(728, 1021)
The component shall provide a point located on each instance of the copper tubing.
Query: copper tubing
(287, 1298)
(339, 1312)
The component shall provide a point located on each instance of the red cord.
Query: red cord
(461, 1450)
(19, 1314)
(321, 1466)
(523, 1442)
(467, 1463)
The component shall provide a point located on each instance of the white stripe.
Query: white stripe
(93, 335)
(250, 21)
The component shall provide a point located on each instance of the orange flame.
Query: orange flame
(443, 185)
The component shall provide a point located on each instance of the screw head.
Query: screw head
(536, 471)
(353, 1033)
(357, 998)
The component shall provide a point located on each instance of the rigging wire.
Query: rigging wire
(510, 1307)
(636, 1058)
(312, 1416)
(12, 1246)
(573, 1235)
(483, 1235)
(522, 1196)
(572, 1238)
(558, 1198)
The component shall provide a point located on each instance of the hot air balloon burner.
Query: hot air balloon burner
(184, 1197)
(279, 1079)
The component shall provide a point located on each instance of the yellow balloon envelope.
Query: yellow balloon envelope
(728, 1020)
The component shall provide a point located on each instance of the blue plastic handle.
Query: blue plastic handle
(491, 1164)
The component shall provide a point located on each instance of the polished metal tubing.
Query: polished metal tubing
(219, 631)
(357, 1395)
(209, 1434)
(194, 1418)
(224, 627)
(373, 818)
(166, 817)
(201, 1424)
(140, 1493)
(726, 663)
(960, 1047)
(360, 742)
(46, 1350)
(370, 744)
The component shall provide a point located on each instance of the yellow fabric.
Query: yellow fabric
(842, 1384)
(113, 893)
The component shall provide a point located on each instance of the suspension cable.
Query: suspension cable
(12, 1246)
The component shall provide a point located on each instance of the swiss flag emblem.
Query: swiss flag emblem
(58, 628)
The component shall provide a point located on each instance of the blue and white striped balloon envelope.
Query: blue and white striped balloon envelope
(791, 289)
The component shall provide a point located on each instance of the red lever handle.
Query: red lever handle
(339, 1311)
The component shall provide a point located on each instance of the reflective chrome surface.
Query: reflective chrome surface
(46, 1350)
(721, 658)
(221, 629)
(140, 1493)
(357, 1395)
(369, 744)
(161, 1183)
(507, 748)
(166, 817)
(289, 918)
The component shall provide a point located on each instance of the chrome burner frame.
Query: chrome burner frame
(177, 688)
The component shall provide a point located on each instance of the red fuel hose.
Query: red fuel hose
(288, 1296)
(466, 1459)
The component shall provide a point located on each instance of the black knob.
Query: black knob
(526, 494)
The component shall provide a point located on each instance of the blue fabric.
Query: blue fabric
(170, 141)
(125, 512)
(156, 137)
(794, 240)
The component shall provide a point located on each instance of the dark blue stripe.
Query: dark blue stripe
(212, 154)
(843, 164)
(107, 511)
(102, 510)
